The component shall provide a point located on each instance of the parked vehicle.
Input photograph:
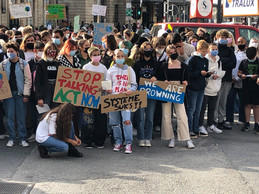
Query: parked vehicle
(237, 29)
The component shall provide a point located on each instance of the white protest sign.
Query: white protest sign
(21, 10)
(99, 10)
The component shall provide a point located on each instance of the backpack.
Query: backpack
(20, 63)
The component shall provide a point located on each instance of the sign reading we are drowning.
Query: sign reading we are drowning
(163, 91)
(78, 87)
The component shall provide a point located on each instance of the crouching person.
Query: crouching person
(55, 132)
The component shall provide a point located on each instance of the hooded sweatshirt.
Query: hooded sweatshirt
(121, 77)
(213, 86)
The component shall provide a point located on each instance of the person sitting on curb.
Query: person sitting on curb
(55, 132)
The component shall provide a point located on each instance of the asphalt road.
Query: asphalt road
(220, 163)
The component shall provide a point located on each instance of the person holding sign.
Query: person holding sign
(175, 72)
(97, 134)
(46, 73)
(55, 132)
(146, 67)
(249, 71)
(123, 81)
(19, 76)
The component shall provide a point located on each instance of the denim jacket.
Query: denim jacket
(23, 77)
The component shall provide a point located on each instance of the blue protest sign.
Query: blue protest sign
(163, 91)
(100, 30)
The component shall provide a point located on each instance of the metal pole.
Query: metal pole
(98, 17)
(167, 8)
(219, 16)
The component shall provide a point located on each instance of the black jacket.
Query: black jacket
(228, 59)
(184, 73)
(41, 78)
(196, 65)
(146, 69)
(32, 63)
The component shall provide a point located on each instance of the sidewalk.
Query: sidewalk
(221, 163)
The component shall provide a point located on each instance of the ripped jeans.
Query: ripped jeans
(115, 119)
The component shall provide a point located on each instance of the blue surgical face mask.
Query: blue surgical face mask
(201, 56)
(126, 51)
(214, 53)
(72, 53)
(120, 61)
(56, 41)
(252, 60)
(223, 41)
(11, 55)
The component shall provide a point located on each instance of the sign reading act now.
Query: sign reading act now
(78, 87)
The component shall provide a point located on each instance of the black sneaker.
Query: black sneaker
(246, 127)
(89, 146)
(256, 129)
(100, 146)
(224, 125)
(193, 135)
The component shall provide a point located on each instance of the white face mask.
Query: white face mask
(67, 36)
(50, 59)
(160, 51)
(253, 44)
(39, 54)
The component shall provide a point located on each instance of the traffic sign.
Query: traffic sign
(129, 12)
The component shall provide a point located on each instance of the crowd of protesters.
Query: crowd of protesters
(221, 75)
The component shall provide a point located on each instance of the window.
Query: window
(248, 34)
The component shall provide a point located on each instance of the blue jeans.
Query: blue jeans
(145, 124)
(115, 122)
(55, 145)
(15, 106)
(230, 107)
(195, 99)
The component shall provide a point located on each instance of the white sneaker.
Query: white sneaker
(171, 144)
(214, 129)
(190, 144)
(31, 138)
(141, 143)
(147, 143)
(202, 131)
(157, 129)
(10, 143)
(24, 144)
(2, 136)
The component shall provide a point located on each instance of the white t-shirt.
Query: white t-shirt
(46, 128)
(29, 56)
(100, 68)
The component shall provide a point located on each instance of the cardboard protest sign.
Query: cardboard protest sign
(76, 24)
(56, 11)
(100, 30)
(79, 87)
(20, 10)
(5, 91)
(160, 90)
(118, 102)
(99, 10)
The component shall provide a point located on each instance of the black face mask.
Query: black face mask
(174, 56)
(241, 46)
(30, 46)
(86, 49)
(148, 53)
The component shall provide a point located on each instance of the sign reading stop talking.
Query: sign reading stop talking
(201, 9)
